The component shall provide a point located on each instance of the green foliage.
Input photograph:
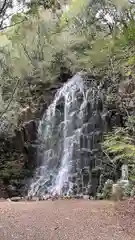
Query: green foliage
(129, 32)
(120, 146)
(73, 11)
(46, 44)
(128, 190)
(107, 190)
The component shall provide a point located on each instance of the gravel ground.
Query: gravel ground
(67, 220)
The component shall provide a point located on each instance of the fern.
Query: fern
(120, 146)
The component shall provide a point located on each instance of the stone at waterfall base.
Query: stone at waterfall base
(118, 190)
(45, 197)
(16, 199)
(86, 197)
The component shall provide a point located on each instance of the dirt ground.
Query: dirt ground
(67, 219)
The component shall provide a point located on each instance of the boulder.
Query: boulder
(86, 197)
(16, 199)
(107, 190)
(80, 196)
(117, 192)
(55, 197)
(46, 197)
(35, 199)
(8, 199)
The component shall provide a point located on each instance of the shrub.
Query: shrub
(107, 190)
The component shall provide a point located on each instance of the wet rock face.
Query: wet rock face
(114, 118)
(71, 131)
(18, 160)
(21, 147)
(80, 116)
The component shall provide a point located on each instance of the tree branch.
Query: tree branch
(27, 54)
(12, 25)
(3, 7)
(10, 101)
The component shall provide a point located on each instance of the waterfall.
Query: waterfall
(65, 133)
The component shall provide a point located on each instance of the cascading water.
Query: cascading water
(66, 139)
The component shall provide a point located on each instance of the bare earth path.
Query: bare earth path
(66, 220)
